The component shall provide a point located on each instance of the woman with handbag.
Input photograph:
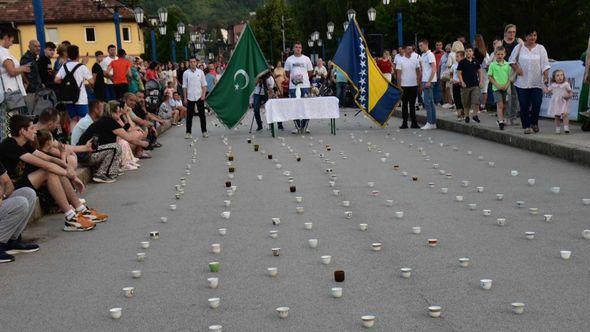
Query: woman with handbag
(12, 94)
(531, 64)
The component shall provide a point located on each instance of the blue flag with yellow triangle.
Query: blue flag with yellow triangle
(375, 95)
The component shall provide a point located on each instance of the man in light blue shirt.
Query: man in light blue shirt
(95, 111)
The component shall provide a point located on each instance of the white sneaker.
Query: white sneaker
(294, 132)
(426, 126)
(205, 134)
(447, 105)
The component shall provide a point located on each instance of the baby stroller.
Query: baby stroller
(153, 96)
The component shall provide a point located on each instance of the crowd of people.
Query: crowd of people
(58, 114)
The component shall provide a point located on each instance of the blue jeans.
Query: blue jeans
(530, 105)
(300, 124)
(437, 92)
(428, 100)
(341, 93)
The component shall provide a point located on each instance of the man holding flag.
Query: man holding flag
(231, 96)
(375, 95)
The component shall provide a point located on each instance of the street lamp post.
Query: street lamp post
(153, 24)
(101, 4)
(39, 22)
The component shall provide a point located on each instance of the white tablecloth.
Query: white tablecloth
(278, 110)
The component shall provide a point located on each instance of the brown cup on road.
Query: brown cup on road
(339, 276)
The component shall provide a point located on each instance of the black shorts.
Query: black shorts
(24, 183)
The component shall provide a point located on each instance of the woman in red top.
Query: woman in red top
(385, 65)
(152, 71)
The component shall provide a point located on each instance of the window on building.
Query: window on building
(126, 34)
(52, 35)
(90, 34)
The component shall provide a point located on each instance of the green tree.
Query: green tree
(267, 28)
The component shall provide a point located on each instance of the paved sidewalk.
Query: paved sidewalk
(572, 147)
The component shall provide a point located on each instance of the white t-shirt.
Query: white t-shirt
(426, 60)
(10, 83)
(80, 75)
(298, 67)
(174, 103)
(408, 67)
(104, 64)
(397, 58)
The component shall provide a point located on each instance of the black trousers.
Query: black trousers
(191, 112)
(120, 90)
(409, 101)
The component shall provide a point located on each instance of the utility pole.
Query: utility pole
(283, 31)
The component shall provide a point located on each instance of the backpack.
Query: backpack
(69, 90)
(44, 99)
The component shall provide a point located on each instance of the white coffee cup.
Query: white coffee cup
(491, 163)
(136, 274)
(276, 221)
(371, 184)
(399, 214)
(406, 272)
(479, 157)
(326, 259)
(299, 209)
(368, 321)
(348, 214)
(444, 190)
(172, 207)
(346, 203)
(529, 235)
(459, 198)
(501, 221)
(472, 206)
(164, 219)
(215, 328)
(485, 284)
(213, 282)
(432, 242)
(216, 248)
(363, 227)
(383, 160)
(520, 204)
(298, 199)
(273, 233)
(283, 312)
(140, 256)
(222, 231)
(586, 201)
(586, 234)
(465, 183)
(227, 203)
(480, 189)
(416, 230)
(435, 166)
(116, 313)
(313, 243)
(531, 182)
(389, 202)
(145, 244)
(214, 302)
(534, 210)
(487, 212)
(514, 172)
(336, 292)
(517, 308)
(272, 271)
(128, 292)
(499, 197)
(565, 254)
(442, 172)
(464, 261)
(259, 177)
(155, 235)
(225, 214)
(469, 152)
(434, 311)
(555, 190)
(336, 192)
(377, 246)
(308, 225)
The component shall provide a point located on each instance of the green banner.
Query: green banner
(231, 96)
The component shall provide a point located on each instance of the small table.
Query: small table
(285, 109)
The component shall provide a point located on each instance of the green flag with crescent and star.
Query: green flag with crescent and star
(231, 96)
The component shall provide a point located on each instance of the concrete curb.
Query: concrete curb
(85, 174)
(526, 142)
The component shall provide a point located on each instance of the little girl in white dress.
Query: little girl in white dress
(561, 95)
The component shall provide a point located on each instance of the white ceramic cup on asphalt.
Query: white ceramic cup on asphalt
(164, 219)
(136, 274)
(308, 225)
(313, 243)
(222, 231)
(140, 256)
(464, 261)
(336, 292)
(555, 190)
(216, 248)
(444, 190)
(459, 198)
(399, 214)
(487, 212)
(215, 328)
(586, 234)
(145, 244)
(434, 311)
(363, 227)
(517, 308)
(225, 214)
(172, 207)
(283, 312)
(565, 254)
(501, 221)
(214, 302)
(213, 282)
(514, 172)
(345, 203)
(272, 271)
(326, 259)
(128, 292)
(116, 313)
(485, 284)
(499, 197)
(529, 235)
(416, 230)
(586, 201)
(531, 182)
(368, 321)
(406, 272)
(348, 214)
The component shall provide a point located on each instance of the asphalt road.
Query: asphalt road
(74, 279)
